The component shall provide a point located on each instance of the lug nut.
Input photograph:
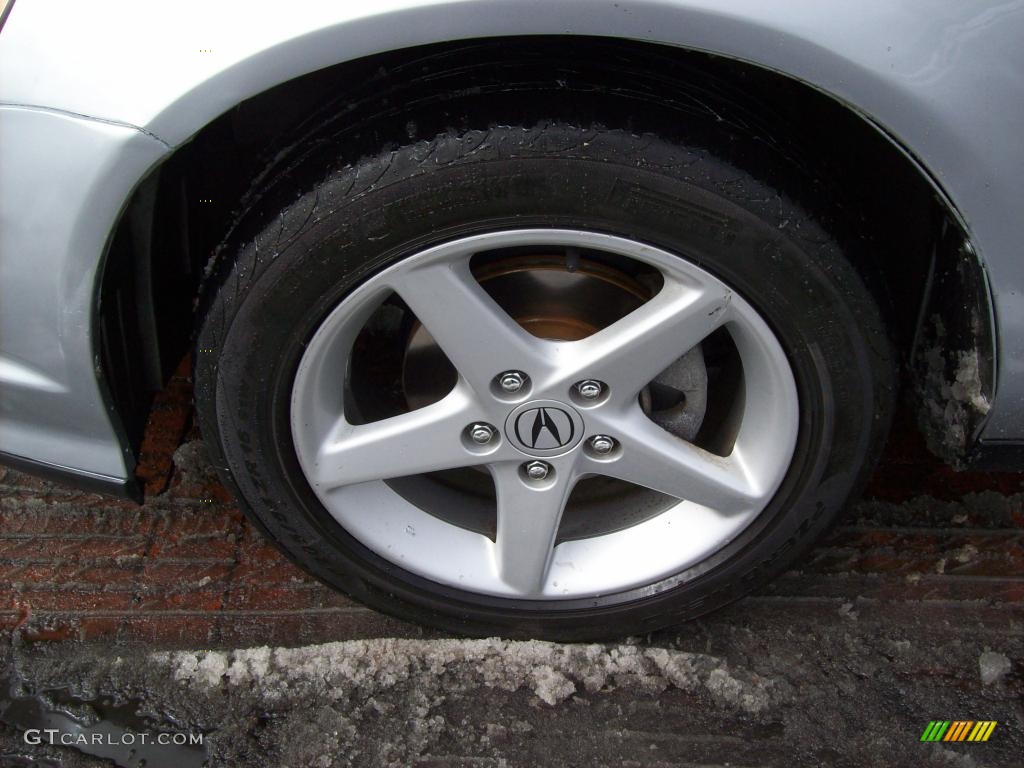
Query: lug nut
(537, 470)
(512, 381)
(602, 445)
(481, 434)
(590, 389)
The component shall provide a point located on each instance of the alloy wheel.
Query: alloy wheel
(540, 412)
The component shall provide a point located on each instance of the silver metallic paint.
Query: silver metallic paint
(943, 77)
(63, 182)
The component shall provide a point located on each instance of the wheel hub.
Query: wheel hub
(544, 428)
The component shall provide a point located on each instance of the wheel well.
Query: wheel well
(903, 236)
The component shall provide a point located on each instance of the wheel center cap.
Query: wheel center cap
(544, 428)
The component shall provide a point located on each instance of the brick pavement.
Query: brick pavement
(186, 568)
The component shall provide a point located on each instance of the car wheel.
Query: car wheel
(549, 381)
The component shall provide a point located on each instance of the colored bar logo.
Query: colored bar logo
(958, 730)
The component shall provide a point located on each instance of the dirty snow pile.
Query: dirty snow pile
(362, 668)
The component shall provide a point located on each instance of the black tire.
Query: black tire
(266, 302)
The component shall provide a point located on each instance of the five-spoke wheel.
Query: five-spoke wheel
(581, 415)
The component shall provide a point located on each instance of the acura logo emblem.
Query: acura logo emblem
(544, 428)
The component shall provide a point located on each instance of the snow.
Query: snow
(993, 667)
(552, 672)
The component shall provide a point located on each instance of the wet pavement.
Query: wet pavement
(115, 616)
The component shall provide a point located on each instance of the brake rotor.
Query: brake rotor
(559, 298)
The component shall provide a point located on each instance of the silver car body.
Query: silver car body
(94, 95)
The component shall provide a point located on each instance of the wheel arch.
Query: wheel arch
(181, 211)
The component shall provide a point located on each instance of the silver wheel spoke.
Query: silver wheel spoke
(656, 459)
(528, 518)
(424, 440)
(630, 353)
(477, 336)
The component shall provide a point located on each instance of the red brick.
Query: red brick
(265, 573)
(220, 545)
(210, 492)
(67, 630)
(180, 629)
(851, 587)
(36, 548)
(198, 599)
(184, 575)
(260, 597)
(43, 601)
(260, 563)
(961, 554)
(22, 496)
(94, 627)
(303, 628)
(71, 575)
(47, 518)
(180, 521)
